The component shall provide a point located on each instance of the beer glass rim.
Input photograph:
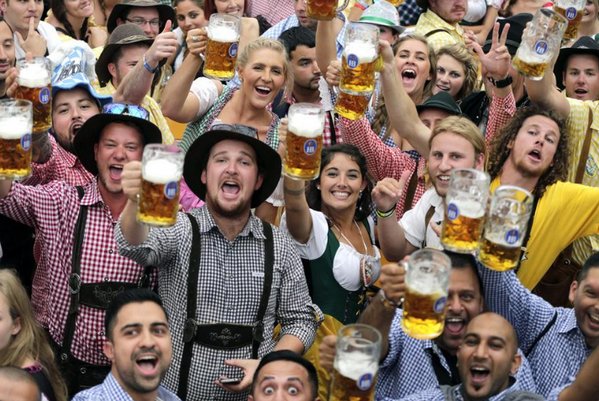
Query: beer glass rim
(306, 106)
(224, 17)
(361, 327)
(432, 252)
(514, 188)
(474, 173)
(172, 148)
(548, 12)
(4, 103)
(363, 25)
(34, 60)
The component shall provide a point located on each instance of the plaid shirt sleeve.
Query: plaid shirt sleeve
(501, 111)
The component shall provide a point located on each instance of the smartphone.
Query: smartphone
(230, 380)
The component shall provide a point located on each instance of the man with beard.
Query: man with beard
(440, 23)
(488, 359)
(251, 274)
(139, 347)
(7, 54)
(78, 267)
(409, 365)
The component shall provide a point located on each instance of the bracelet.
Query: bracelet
(386, 214)
(147, 66)
(361, 5)
(387, 303)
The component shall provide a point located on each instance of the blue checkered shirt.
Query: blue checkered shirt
(557, 355)
(111, 390)
(455, 394)
(409, 13)
(408, 367)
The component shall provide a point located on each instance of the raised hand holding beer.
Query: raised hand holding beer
(196, 41)
(333, 75)
(15, 139)
(304, 141)
(131, 180)
(223, 44)
(34, 85)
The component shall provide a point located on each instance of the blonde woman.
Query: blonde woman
(457, 71)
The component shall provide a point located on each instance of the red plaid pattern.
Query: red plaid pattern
(501, 110)
(273, 10)
(52, 210)
(383, 161)
(62, 166)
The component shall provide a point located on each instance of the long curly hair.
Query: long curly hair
(364, 205)
(499, 151)
(60, 12)
(31, 340)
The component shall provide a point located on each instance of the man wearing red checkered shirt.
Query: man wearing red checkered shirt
(79, 269)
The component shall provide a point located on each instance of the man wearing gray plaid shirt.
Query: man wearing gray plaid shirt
(242, 277)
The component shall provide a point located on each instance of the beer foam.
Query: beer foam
(355, 365)
(469, 208)
(161, 171)
(14, 128)
(223, 34)
(34, 76)
(363, 50)
(306, 127)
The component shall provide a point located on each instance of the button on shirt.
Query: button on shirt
(559, 354)
(231, 277)
(52, 210)
(111, 390)
(408, 367)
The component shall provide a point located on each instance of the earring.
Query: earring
(318, 187)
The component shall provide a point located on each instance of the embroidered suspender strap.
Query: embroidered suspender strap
(584, 154)
(427, 219)
(192, 297)
(74, 281)
(528, 229)
(269, 260)
(435, 31)
(542, 333)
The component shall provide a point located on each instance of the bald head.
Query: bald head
(17, 385)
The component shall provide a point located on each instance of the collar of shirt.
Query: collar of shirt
(69, 158)
(438, 22)
(458, 391)
(567, 323)
(207, 223)
(92, 193)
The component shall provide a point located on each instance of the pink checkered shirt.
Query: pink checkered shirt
(62, 166)
(383, 161)
(52, 210)
(273, 10)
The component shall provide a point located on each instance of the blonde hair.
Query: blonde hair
(459, 52)
(31, 340)
(465, 128)
(265, 43)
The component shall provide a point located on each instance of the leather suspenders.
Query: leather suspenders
(212, 335)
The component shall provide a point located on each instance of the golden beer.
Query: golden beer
(159, 198)
(15, 139)
(345, 387)
(462, 226)
(532, 69)
(574, 18)
(40, 98)
(396, 3)
(424, 314)
(357, 70)
(302, 158)
(497, 254)
(220, 59)
(352, 107)
(324, 10)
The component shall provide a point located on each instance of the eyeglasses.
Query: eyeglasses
(132, 110)
(237, 128)
(154, 23)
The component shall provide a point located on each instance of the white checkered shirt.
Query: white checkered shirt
(52, 210)
(231, 276)
(111, 390)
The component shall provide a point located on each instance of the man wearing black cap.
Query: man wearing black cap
(79, 269)
(235, 275)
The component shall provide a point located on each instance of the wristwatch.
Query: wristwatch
(502, 83)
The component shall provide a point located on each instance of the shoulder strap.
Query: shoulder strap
(412, 185)
(584, 154)
(541, 334)
(435, 31)
(192, 297)
(74, 280)
(427, 219)
(528, 230)
(269, 260)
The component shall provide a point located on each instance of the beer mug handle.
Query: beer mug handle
(343, 6)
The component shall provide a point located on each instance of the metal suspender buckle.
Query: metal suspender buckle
(189, 330)
(74, 283)
(258, 332)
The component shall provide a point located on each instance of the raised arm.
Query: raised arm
(137, 83)
(299, 220)
(326, 46)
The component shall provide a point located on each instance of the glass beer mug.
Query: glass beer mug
(34, 85)
(465, 205)
(351, 107)
(359, 59)
(505, 227)
(356, 363)
(222, 46)
(427, 281)
(304, 141)
(324, 10)
(16, 122)
(162, 167)
(540, 41)
(572, 10)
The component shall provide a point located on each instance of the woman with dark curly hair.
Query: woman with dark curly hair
(330, 227)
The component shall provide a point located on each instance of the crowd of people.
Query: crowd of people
(243, 296)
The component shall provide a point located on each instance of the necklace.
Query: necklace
(366, 268)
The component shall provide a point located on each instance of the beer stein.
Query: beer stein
(15, 138)
(304, 141)
(427, 281)
(396, 3)
(540, 41)
(352, 107)
(465, 205)
(34, 85)
(324, 10)
(359, 59)
(162, 167)
(573, 10)
(356, 363)
(221, 50)
(505, 227)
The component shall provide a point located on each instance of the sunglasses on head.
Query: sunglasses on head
(132, 110)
